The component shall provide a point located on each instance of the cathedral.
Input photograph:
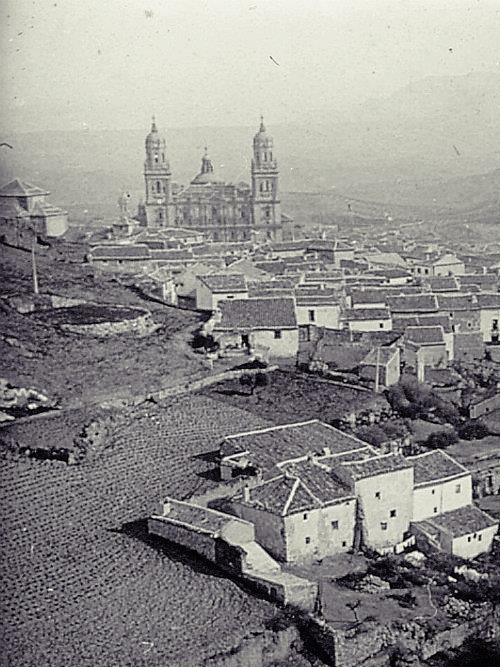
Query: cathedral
(223, 211)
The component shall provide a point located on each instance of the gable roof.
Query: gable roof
(380, 355)
(412, 303)
(376, 465)
(447, 259)
(280, 495)
(489, 300)
(442, 284)
(424, 335)
(368, 296)
(366, 314)
(223, 282)
(435, 466)
(451, 302)
(138, 252)
(267, 447)
(18, 188)
(257, 313)
(463, 521)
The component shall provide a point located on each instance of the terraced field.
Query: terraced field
(80, 591)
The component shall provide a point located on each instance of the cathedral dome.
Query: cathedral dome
(206, 174)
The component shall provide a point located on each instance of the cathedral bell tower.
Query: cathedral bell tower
(266, 206)
(157, 180)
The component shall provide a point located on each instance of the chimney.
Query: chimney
(167, 506)
(246, 493)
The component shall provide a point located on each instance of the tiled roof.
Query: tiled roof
(413, 303)
(9, 208)
(489, 281)
(316, 297)
(18, 188)
(172, 255)
(367, 296)
(442, 284)
(268, 447)
(488, 299)
(446, 259)
(323, 276)
(273, 267)
(424, 335)
(258, 313)
(434, 466)
(377, 465)
(392, 272)
(390, 258)
(366, 314)
(401, 322)
(319, 480)
(120, 252)
(463, 521)
(451, 302)
(223, 282)
(277, 283)
(284, 246)
(200, 518)
(260, 292)
(280, 495)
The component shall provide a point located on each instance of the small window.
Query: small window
(433, 491)
(305, 516)
(377, 495)
(312, 316)
(308, 540)
(392, 513)
(383, 525)
(381, 325)
(475, 535)
(469, 538)
(435, 510)
(344, 544)
(335, 525)
(480, 537)
(277, 333)
(458, 488)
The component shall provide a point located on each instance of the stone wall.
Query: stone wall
(139, 326)
(261, 650)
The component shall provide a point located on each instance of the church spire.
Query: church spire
(153, 124)
(262, 126)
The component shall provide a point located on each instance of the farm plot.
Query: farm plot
(79, 591)
(292, 397)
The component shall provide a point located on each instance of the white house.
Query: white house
(317, 307)
(216, 287)
(367, 319)
(489, 308)
(267, 324)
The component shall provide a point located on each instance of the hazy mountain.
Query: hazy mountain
(421, 147)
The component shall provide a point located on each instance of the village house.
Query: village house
(441, 284)
(213, 288)
(384, 361)
(463, 310)
(317, 308)
(366, 319)
(424, 346)
(401, 323)
(126, 257)
(331, 252)
(393, 275)
(25, 215)
(489, 314)
(466, 532)
(367, 298)
(314, 491)
(412, 304)
(431, 265)
(257, 324)
(187, 280)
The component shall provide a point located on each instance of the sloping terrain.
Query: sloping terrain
(79, 591)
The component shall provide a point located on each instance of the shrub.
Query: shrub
(441, 439)
(254, 381)
(473, 430)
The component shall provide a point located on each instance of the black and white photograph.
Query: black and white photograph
(250, 333)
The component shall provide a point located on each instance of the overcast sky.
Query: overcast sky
(111, 63)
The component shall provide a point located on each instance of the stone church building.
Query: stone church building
(223, 211)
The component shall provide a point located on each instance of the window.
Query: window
(344, 544)
(335, 525)
(383, 525)
(475, 535)
(433, 491)
(435, 510)
(426, 271)
(277, 333)
(305, 516)
(312, 316)
(458, 488)
(308, 540)
(392, 513)
(469, 538)
(480, 537)
(377, 495)
(158, 186)
(381, 325)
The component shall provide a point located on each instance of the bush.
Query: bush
(441, 439)
(473, 430)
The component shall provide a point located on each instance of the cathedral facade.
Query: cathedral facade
(222, 211)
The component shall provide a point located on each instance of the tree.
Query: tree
(253, 381)
(441, 439)
(473, 430)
